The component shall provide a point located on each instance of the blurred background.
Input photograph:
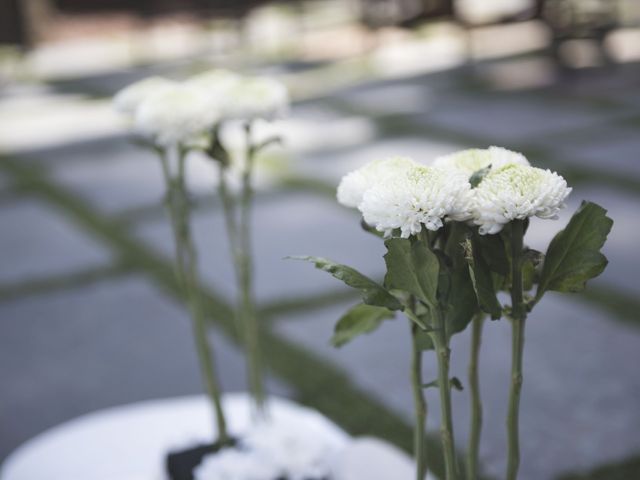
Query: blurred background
(89, 313)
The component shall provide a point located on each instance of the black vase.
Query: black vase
(181, 464)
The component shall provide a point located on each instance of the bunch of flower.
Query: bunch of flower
(172, 114)
(454, 235)
(401, 194)
(177, 118)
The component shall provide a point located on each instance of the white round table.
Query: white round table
(130, 442)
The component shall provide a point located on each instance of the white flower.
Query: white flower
(517, 192)
(354, 184)
(129, 98)
(299, 453)
(256, 97)
(421, 196)
(234, 464)
(472, 160)
(176, 116)
(218, 80)
(216, 85)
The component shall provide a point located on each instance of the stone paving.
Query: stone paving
(72, 346)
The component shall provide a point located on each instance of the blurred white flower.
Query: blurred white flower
(297, 452)
(235, 464)
(354, 184)
(272, 450)
(218, 80)
(256, 97)
(180, 115)
(129, 98)
(472, 160)
(215, 85)
(517, 192)
(421, 196)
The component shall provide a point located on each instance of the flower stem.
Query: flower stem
(518, 317)
(229, 212)
(186, 271)
(420, 406)
(245, 270)
(443, 354)
(476, 402)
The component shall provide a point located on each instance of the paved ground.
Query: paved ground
(89, 316)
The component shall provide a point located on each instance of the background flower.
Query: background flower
(129, 98)
(176, 116)
(256, 97)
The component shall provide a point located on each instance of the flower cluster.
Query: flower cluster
(401, 194)
(182, 113)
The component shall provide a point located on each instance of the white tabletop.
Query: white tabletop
(130, 442)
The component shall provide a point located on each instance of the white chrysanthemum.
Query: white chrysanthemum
(422, 196)
(216, 85)
(176, 116)
(354, 184)
(217, 79)
(298, 453)
(234, 464)
(129, 98)
(256, 97)
(517, 192)
(472, 160)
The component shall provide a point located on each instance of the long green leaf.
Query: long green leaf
(358, 320)
(372, 292)
(463, 304)
(482, 279)
(574, 256)
(413, 268)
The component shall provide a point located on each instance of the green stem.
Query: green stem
(245, 270)
(518, 317)
(186, 270)
(443, 354)
(420, 406)
(228, 208)
(476, 403)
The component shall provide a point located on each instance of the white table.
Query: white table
(130, 442)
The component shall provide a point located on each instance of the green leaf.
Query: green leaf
(531, 259)
(463, 303)
(357, 321)
(423, 340)
(457, 233)
(216, 150)
(372, 293)
(456, 383)
(412, 267)
(444, 277)
(573, 256)
(478, 176)
(369, 229)
(482, 280)
(494, 251)
(431, 384)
